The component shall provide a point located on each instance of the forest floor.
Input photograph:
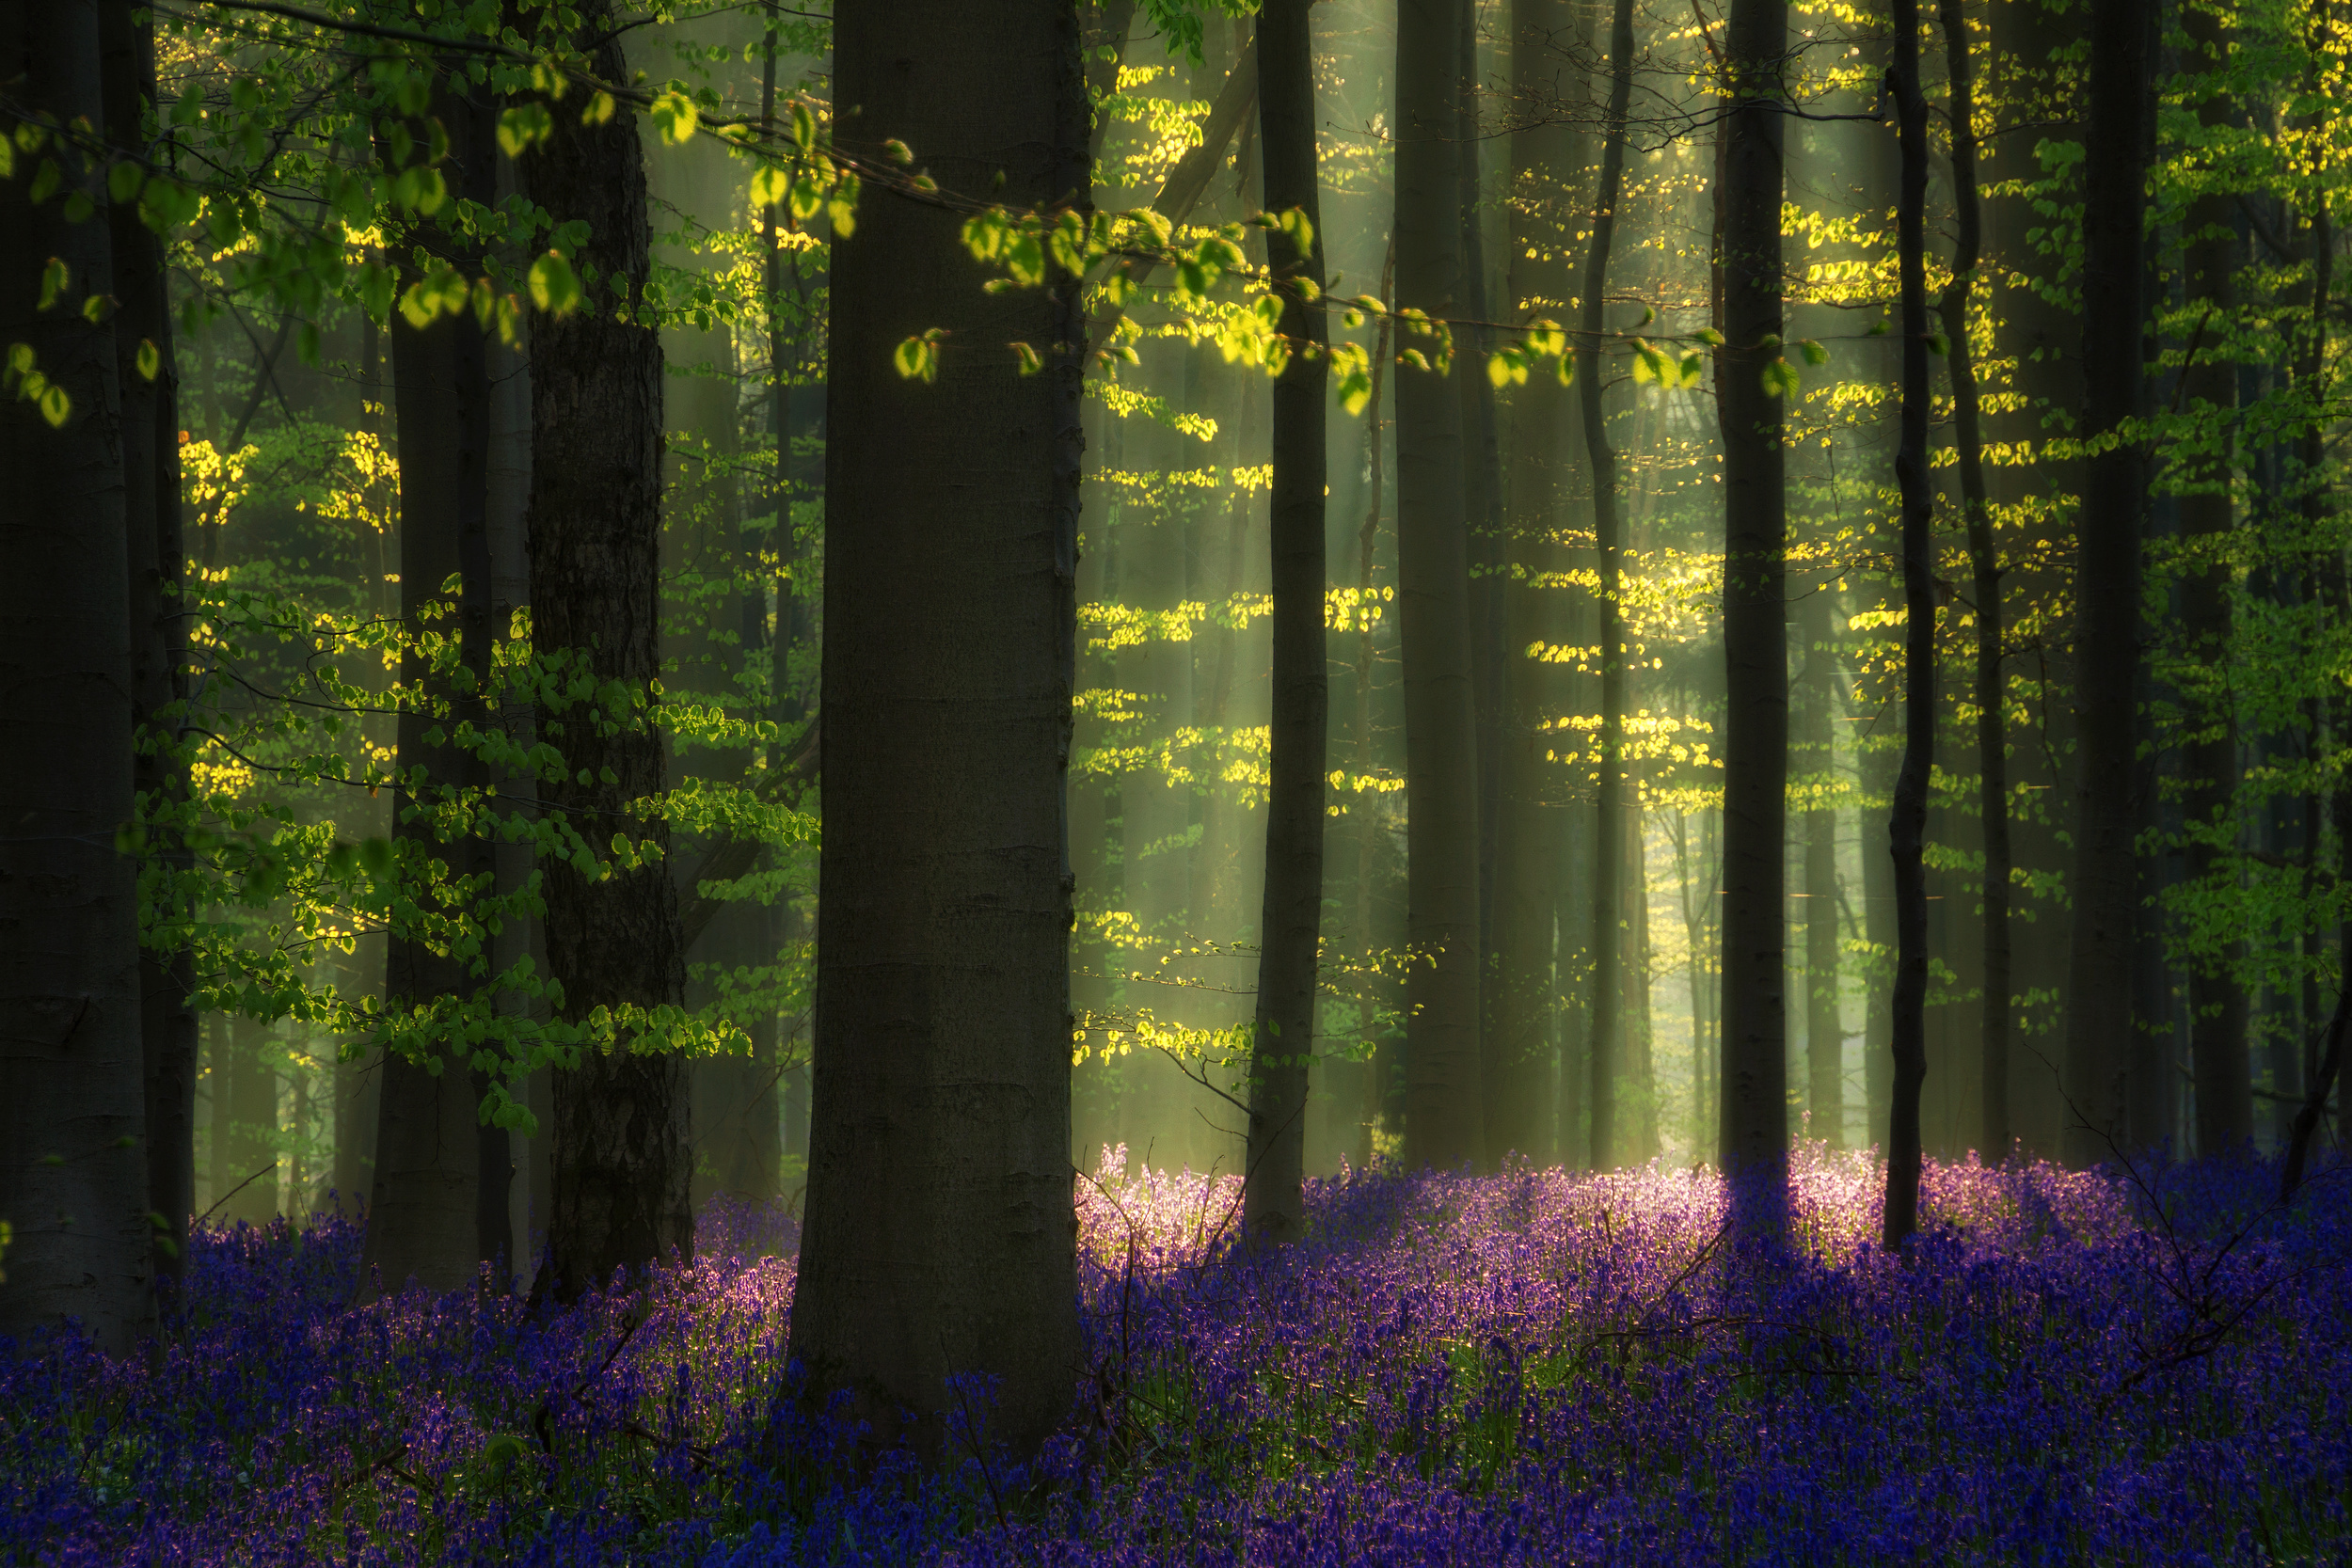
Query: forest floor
(2126, 1367)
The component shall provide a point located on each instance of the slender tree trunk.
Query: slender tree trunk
(151, 471)
(940, 1229)
(1756, 532)
(72, 1114)
(621, 1144)
(1907, 829)
(1609, 855)
(2219, 1060)
(1984, 558)
(1444, 1086)
(1824, 1026)
(2106, 575)
(1291, 928)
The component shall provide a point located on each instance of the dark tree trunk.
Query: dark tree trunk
(1444, 1084)
(150, 474)
(940, 1230)
(1985, 562)
(72, 1114)
(2107, 576)
(621, 1147)
(427, 1191)
(1609, 855)
(1291, 926)
(1907, 830)
(2219, 1060)
(1754, 1084)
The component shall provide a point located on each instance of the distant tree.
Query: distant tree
(1291, 928)
(1609, 855)
(1445, 1090)
(73, 1171)
(940, 1229)
(2099, 1001)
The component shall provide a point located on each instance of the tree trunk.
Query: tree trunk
(72, 1114)
(1547, 161)
(1907, 828)
(423, 1207)
(939, 1242)
(1985, 560)
(1291, 928)
(1755, 1083)
(1444, 1086)
(2219, 1060)
(151, 472)
(621, 1151)
(1609, 855)
(2107, 576)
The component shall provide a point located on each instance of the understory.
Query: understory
(2119, 1366)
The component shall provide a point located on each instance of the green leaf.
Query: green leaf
(1028, 359)
(150, 359)
(599, 109)
(1938, 344)
(769, 185)
(803, 128)
(376, 856)
(917, 358)
(522, 127)
(676, 116)
(554, 287)
(123, 180)
(98, 307)
(1813, 353)
(46, 182)
(55, 407)
(167, 204)
(78, 207)
(1709, 336)
(1780, 379)
(53, 279)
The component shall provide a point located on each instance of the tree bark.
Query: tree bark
(73, 1111)
(1907, 829)
(2107, 576)
(1609, 855)
(151, 472)
(621, 1152)
(1754, 1086)
(1291, 928)
(1444, 1113)
(939, 1240)
(1991, 694)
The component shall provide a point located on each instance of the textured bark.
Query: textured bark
(940, 1230)
(1907, 828)
(155, 556)
(1444, 1088)
(622, 1153)
(72, 1115)
(1609, 855)
(1756, 532)
(2107, 576)
(1291, 926)
(1986, 573)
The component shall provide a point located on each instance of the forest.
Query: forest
(1174, 782)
